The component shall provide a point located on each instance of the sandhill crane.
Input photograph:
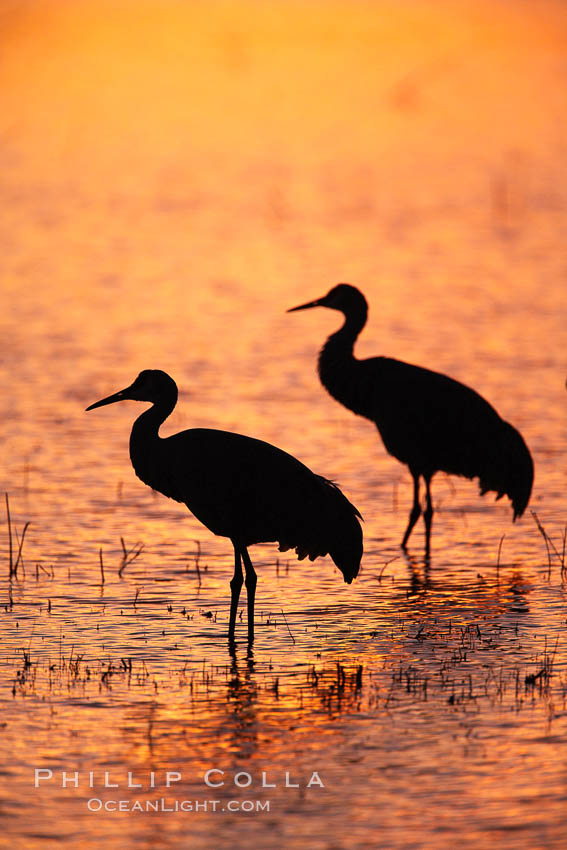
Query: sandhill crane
(240, 488)
(426, 420)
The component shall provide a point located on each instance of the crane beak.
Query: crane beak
(120, 396)
(319, 302)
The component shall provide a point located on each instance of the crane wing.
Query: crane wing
(253, 492)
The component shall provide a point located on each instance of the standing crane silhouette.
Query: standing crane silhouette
(240, 488)
(426, 420)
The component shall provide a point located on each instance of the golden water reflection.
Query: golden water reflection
(414, 698)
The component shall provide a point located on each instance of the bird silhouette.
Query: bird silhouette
(240, 488)
(426, 420)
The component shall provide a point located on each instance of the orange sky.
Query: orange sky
(144, 85)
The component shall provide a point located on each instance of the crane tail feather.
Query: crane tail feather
(509, 470)
(346, 542)
(329, 526)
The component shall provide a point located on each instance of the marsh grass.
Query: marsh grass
(101, 566)
(14, 564)
(198, 569)
(450, 667)
(50, 573)
(454, 665)
(129, 555)
(551, 548)
(498, 558)
(287, 624)
(387, 564)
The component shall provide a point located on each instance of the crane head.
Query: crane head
(150, 385)
(342, 297)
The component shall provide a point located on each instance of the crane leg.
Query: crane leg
(251, 580)
(415, 512)
(428, 513)
(235, 587)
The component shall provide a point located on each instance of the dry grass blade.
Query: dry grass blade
(11, 555)
(287, 624)
(498, 556)
(381, 573)
(129, 555)
(13, 565)
(19, 559)
(551, 547)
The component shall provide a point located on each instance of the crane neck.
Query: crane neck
(145, 442)
(146, 427)
(340, 345)
(337, 364)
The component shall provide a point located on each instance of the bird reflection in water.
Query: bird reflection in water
(419, 571)
(242, 703)
(518, 595)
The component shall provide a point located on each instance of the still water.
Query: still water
(174, 177)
